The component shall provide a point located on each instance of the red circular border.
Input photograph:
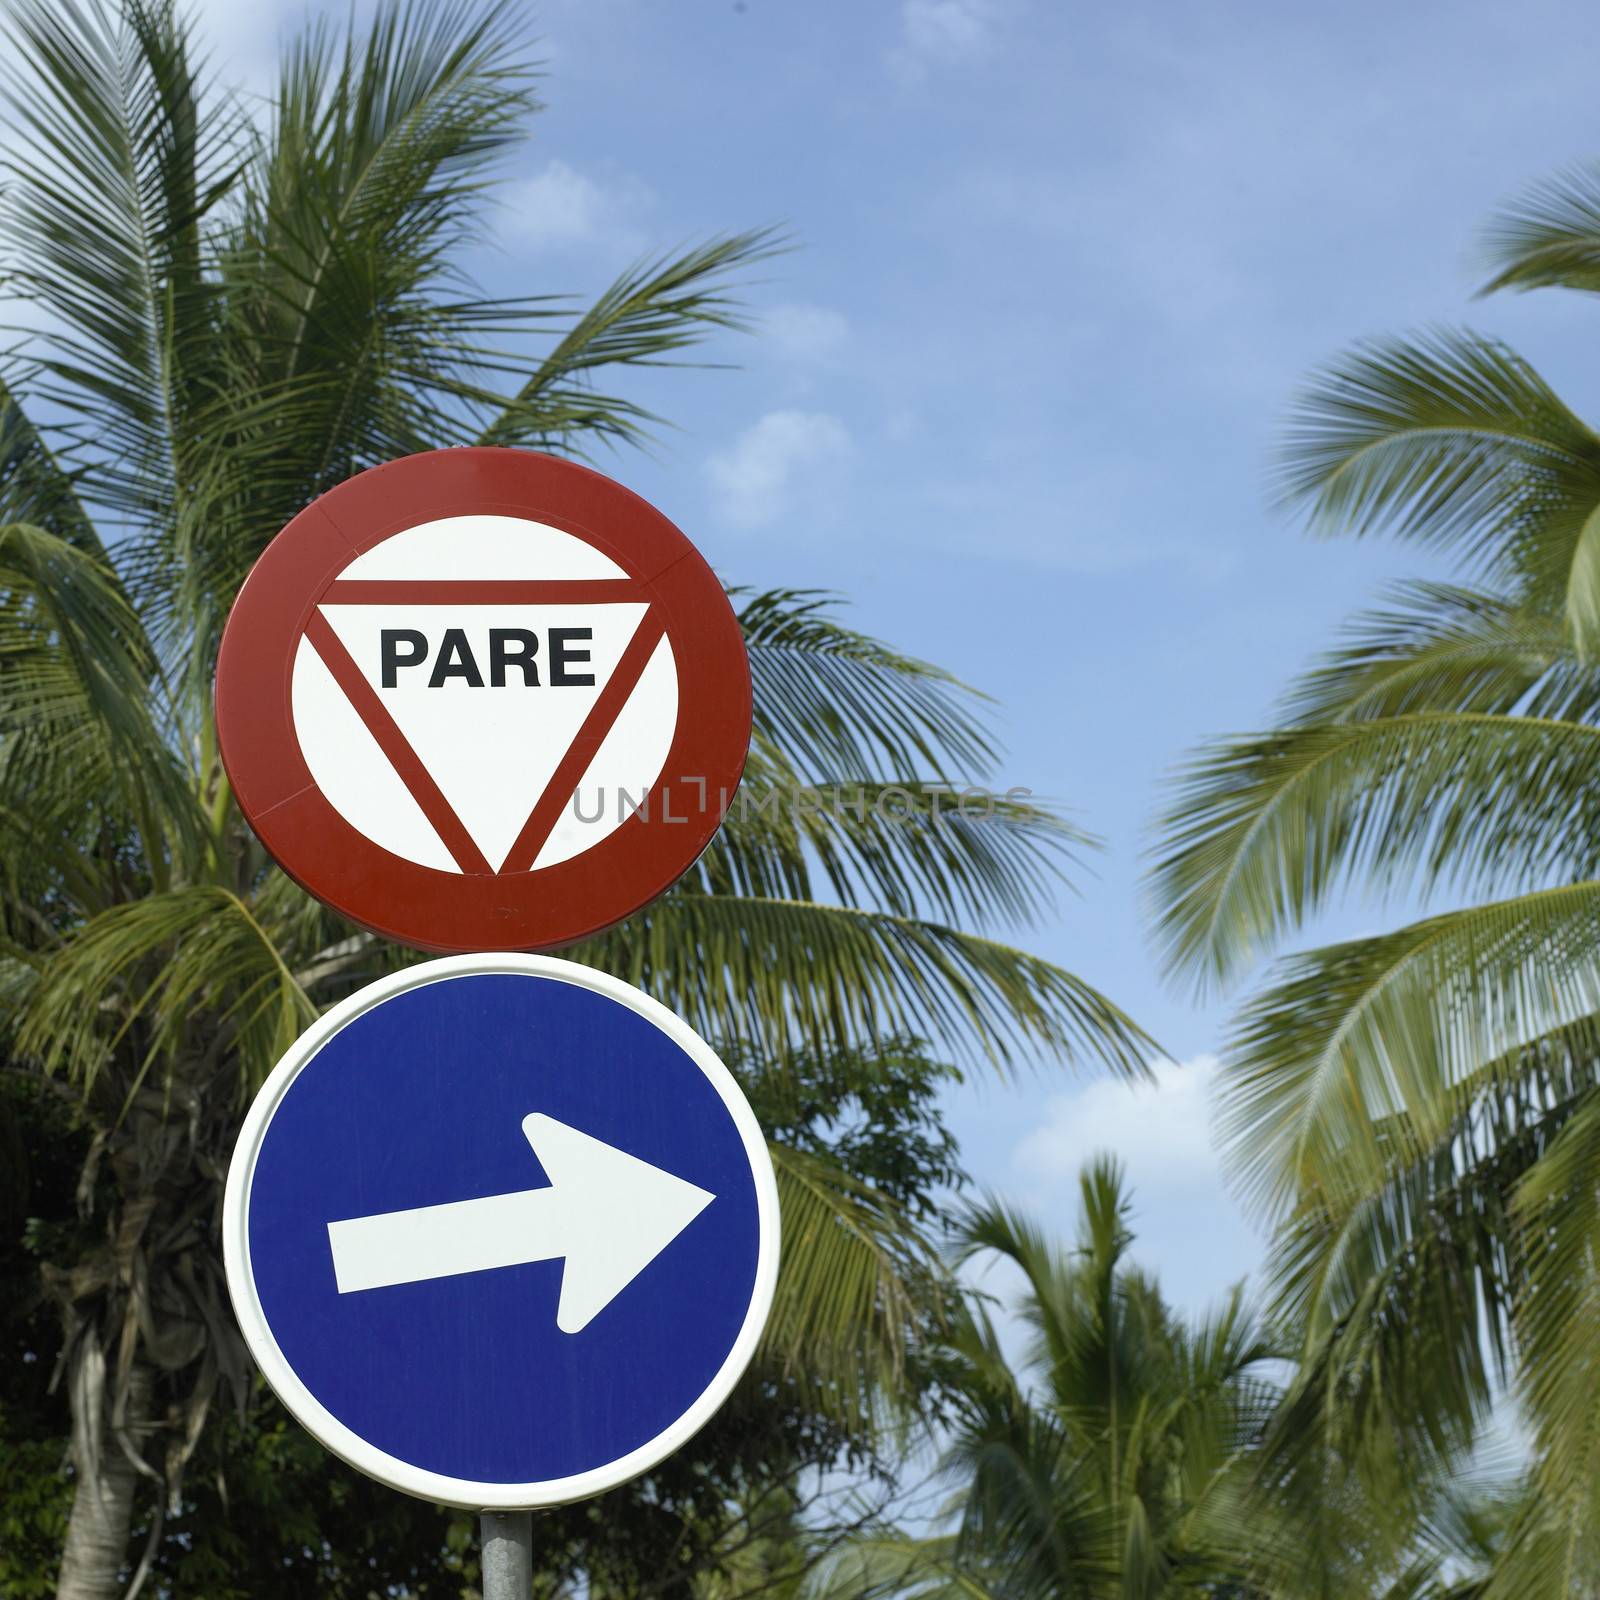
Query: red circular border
(449, 911)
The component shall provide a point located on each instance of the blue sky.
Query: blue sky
(1060, 269)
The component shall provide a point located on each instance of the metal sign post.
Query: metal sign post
(507, 1541)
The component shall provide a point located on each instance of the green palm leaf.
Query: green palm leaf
(1263, 831)
(904, 847)
(1439, 647)
(1112, 1461)
(769, 973)
(373, 176)
(35, 484)
(846, 1313)
(195, 957)
(120, 157)
(1550, 237)
(1388, 1314)
(1555, 1543)
(1454, 441)
(1361, 1054)
(652, 313)
(840, 704)
(78, 711)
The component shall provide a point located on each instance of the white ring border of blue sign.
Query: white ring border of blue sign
(466, 1493)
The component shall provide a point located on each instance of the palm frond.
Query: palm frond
(1362, 1053)
(839, 703)
(882, 1564)
(768, 973)
(1549, 1553)
(910, 848)
(76, 708)
(375, 170)
(36, 486)
(1550, 237)
(1263, 831)
(163, 966)
(1441, 647)
(1556, 1542)
(995, 1228)
(1465, 1529)
(1034, 1521)
(859, 827)
(847, 1312)
(1070, 1309)
(1401, 1302)
(652, 313)
(1110, 1463)
(1454, 441)
(119, 157)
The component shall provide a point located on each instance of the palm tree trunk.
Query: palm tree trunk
(96, 1551)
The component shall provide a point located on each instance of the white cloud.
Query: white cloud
(1187, 1228)
(754, 481)
(805, 334)
(942, 33)
(1161, 1131)
(561, 208)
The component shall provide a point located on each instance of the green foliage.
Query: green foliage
(1416, 1110)
(1134, 1452)
(1110, 1463)
(1115, 1459)
(1550, 237)
(261, 1496)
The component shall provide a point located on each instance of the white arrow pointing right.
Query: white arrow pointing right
(607, 1212)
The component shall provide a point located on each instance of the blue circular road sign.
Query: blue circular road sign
(501, 1231)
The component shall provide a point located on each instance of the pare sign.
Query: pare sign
(509, 651)
(442, 678)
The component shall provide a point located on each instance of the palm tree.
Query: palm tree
(1134, 1453)
(1419, 1111)
(1116, 1461)
(236, 316)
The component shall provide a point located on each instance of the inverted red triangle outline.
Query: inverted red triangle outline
(402, 756)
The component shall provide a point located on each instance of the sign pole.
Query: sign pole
(507, 1541)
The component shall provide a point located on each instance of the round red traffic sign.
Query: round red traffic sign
(483, 699)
